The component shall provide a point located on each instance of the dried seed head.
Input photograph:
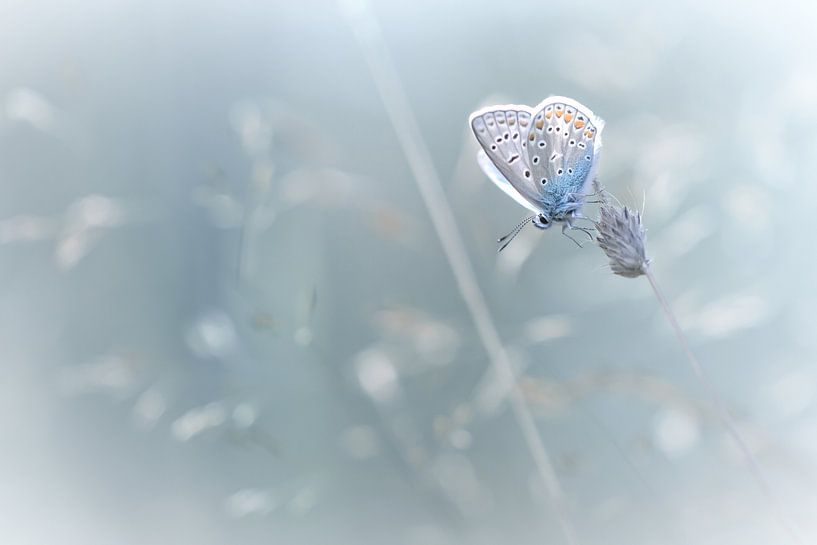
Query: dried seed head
(621, 235)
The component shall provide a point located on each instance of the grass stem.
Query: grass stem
(389, 86)
(723, 412)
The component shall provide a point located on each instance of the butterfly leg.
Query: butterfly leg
(577, 197)
(593, 194)
(577, 217)
(564, 232)
(567, 226)
(586, 231)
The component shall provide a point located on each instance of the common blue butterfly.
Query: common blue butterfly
(544, 157)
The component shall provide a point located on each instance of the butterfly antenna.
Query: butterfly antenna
(515, 231)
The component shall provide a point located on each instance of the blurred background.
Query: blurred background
(226, 317)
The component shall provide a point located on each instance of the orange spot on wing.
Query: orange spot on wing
(548, 114)
(588, 133)
(558, 113)
(531, 136)
(540, 123)
(579, 124)
(568, 117)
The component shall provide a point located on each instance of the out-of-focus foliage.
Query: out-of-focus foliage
(226, 317)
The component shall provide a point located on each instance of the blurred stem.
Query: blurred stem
(723, 412)
(387, 80)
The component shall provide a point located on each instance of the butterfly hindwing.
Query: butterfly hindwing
(503, 132)
(564, 145)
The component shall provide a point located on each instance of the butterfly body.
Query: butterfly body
(544, 157)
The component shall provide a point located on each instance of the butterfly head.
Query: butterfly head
(542, 221)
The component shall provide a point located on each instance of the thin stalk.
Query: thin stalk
(723, 412)
(389, 86)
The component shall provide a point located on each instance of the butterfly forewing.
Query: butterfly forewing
(504, 132)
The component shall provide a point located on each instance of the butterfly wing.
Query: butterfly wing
(501, 182)
(564, 146)
(503, 133)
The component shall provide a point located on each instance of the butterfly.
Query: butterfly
(545, 158)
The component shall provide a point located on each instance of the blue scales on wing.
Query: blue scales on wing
(563, 147)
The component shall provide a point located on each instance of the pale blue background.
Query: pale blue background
(226, 318)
